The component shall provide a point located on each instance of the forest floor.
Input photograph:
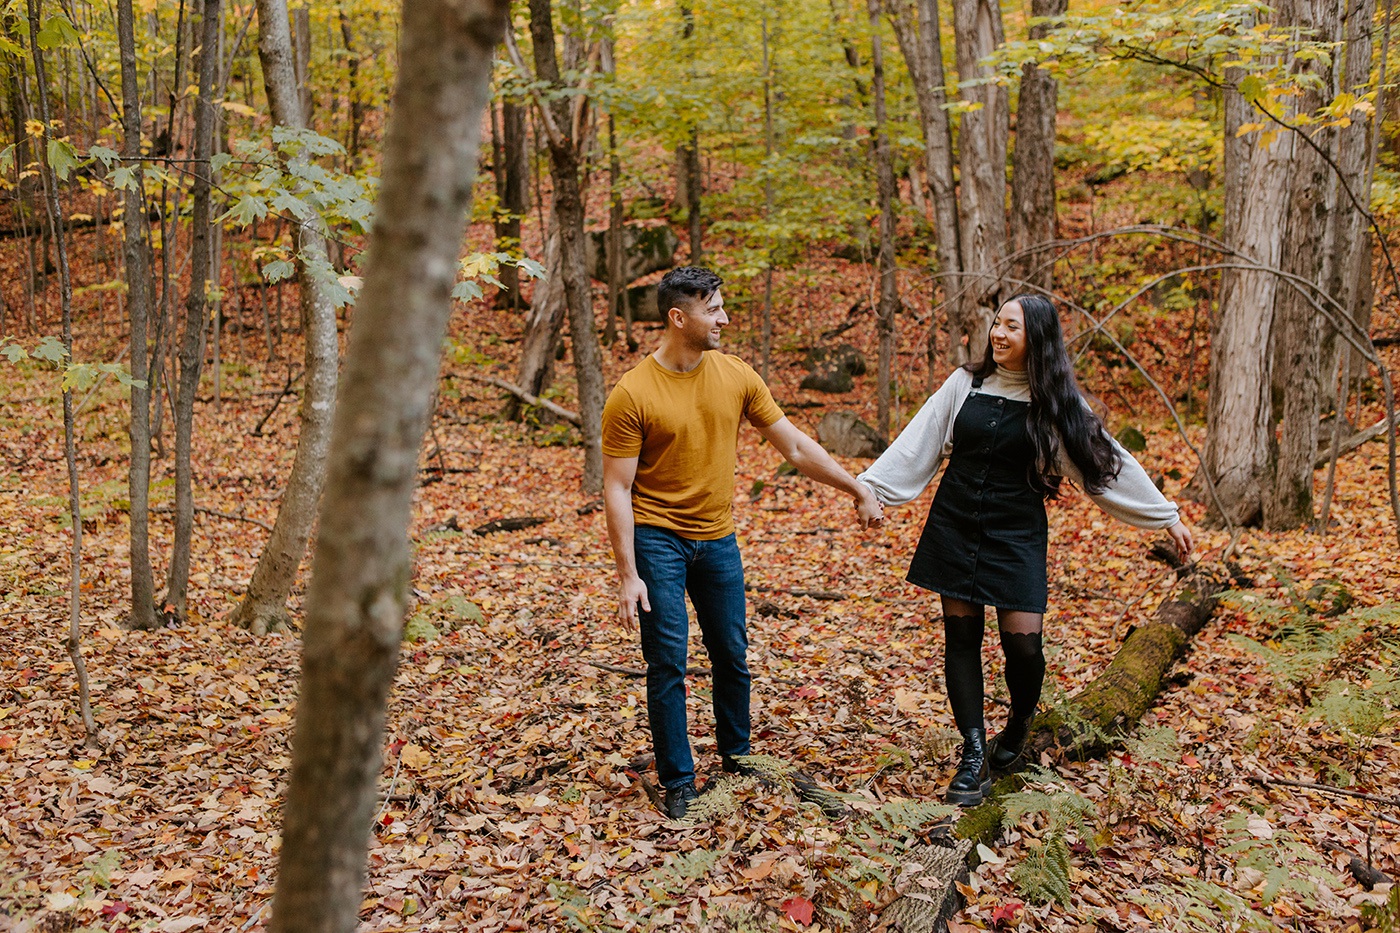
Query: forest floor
(517, 748)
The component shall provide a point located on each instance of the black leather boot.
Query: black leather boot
(1008, 746)
(974, 778)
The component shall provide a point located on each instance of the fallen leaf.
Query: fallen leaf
(798, 910)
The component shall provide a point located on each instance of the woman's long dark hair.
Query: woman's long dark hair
(1057, 412)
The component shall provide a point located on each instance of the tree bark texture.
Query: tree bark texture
(565, 162)
(978, 33)
(360, 577)
(884, 181)
(136, 248)
(196, 320)
(1349, 230)
(1295, 214)
(1240, 412)
(916, 28)
(264, 605)
(1033, 163)
(1308, 254)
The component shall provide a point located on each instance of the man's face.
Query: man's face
(704, 321)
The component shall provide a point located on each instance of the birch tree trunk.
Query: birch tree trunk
(978, 32)
(884, 180)
(196, 320)
(264, 605)
(136, 247)
(565, 158)
(1033, 163)
(920, 41)
(359, 584)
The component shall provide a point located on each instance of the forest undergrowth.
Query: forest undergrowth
(517, 752)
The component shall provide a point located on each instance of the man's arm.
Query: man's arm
(815, 463)
(618, 474)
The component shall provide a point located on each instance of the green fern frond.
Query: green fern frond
(686, 867)
(1384, 917)
(1282, 857)
(909, 815)
(1154, 745)
(1063, 808)
(1361, 710)
(1043, 875)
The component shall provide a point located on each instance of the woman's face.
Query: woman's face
(1008, 337)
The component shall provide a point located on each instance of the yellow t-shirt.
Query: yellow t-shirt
(683, 428)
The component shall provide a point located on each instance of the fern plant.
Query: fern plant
(1044, 874)
(1194, 906)
(1285, 861)
(1384, 918)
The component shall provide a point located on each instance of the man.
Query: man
(670, 433)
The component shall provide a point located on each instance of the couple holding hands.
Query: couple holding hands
(1011, 427)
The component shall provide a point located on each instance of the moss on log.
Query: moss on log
(1110, 705)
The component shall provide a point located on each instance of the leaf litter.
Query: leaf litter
(516, 756)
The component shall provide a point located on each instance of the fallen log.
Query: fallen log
(1107, 707)
(1347, 446)
(533, 401)
(515, 523)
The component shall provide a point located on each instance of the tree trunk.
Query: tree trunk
(70, 439)
(694, 197)
(614, 244)
(301, 61)
(1240, 422)
(542, 325)
(884, 180)
(196, 321)
(690, 187)
(920, 41)
(263, 607)
(1349, 231)
(1033, 165)
(359, 585)
(765, 350)
(352, 92)
(511, 177)
(982, 158)
(565, 159)
(1308, 254)
(136, 247)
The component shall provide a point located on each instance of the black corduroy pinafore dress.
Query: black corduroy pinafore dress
(986, 534)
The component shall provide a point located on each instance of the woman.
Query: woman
(1011, 427)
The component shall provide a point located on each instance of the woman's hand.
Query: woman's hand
(1181, 537)
(869, 512)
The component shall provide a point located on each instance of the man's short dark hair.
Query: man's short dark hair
(680, 288)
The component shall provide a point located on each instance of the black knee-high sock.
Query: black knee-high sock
(1025, 670)
(962, 669)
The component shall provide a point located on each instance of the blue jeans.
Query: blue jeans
(713, 574)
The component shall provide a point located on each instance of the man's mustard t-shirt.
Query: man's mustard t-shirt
(683, 428)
